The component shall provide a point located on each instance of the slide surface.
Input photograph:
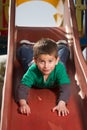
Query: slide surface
(42, 101)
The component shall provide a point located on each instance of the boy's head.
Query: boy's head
(45, 46)
(46, 55)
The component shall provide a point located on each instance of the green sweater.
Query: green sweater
(34, 77)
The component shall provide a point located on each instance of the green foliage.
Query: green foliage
(2, 72)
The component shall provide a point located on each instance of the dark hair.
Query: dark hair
(45, 46)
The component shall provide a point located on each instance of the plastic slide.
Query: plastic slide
(43, 100)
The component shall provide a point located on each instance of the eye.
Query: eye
(41, 61)
(50, 61)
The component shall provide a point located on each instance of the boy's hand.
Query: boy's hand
(24, 107)
(61, 108)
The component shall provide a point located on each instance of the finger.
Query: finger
(53, 110)
(63, 113)
(28, 112)
(66, 112)
(59, 113)
(22, 111)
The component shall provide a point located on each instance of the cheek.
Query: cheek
(52, 66)
(54, 63)
(40, 66)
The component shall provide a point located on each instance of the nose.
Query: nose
(46, 64)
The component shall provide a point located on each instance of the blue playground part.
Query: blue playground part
(83, 40)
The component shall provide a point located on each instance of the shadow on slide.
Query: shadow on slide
(41, 101)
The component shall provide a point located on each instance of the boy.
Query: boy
(45, 71)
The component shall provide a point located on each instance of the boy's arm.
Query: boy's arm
(22, 94)
(63, 99)
(65, 92)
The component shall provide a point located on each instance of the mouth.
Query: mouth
(46, 71)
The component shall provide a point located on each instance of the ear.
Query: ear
(57, 60)
(35, 60)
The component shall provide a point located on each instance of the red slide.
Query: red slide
(43, 100)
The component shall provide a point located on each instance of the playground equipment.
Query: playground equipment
(41, 116)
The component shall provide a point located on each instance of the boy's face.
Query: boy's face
(46, 63)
